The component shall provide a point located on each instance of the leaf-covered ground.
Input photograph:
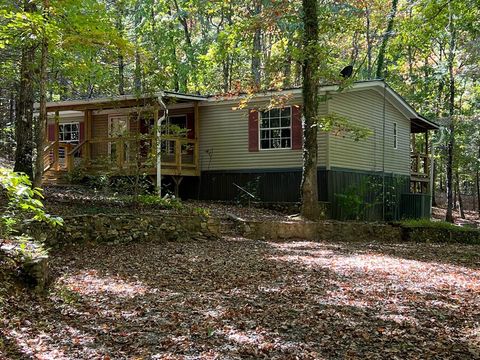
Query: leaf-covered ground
(241, 299)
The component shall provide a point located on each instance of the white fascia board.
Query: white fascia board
(65, 114)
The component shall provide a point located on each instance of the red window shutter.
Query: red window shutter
(297, 133)
(190, 126)
(253, 130)
(51, 132)
(82, 131)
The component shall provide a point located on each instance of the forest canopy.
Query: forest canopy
(429, 51)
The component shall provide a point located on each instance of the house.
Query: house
(224, 145)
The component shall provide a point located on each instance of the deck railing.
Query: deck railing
(125, 155)
(420, 165)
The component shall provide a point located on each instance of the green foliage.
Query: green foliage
(201, 212)
(374, 193)
(23, 203)
(426, 223)
(166, 202)
(353, 201)
(342, 126)
(439, 231)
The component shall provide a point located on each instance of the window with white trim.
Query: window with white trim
(395, 135)
(276, 129)
(69, 132)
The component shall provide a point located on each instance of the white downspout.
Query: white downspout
(159, 144)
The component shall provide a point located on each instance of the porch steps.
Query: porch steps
(52, 177)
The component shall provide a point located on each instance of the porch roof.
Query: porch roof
(121, 101)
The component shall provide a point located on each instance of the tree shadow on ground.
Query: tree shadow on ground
(237, 298)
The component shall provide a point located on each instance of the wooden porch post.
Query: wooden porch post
(196, 152)
(426, 153)
(88, 135)
(426, 163)
(56, 139)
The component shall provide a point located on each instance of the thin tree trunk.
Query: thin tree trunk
(120, 13)
(138, 72)
(460, 200)
(190, 49)
(137, 81)
(434, 201)
(24, 113)
(11, 111)
(369, 45)
(287, 68)
(257, 48)
(478, 184)
(309, 187)
(386, 37)
(451, 111)
(121, 75)
(42, 117)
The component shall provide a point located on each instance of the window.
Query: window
(394, 135)
(69, 132)
(276, 129)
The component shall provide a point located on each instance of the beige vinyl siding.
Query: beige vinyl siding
(365, 108)
(224, 142)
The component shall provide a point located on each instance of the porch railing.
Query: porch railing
(420, 165)
(124, 154)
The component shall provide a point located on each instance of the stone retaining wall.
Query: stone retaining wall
(351, 231)
(121, 228)
(320, 231)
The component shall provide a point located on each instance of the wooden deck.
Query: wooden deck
(121, 156)
(419, 173)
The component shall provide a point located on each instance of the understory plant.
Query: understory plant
(20, 204)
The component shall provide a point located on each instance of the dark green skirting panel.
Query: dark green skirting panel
(266, 185)
(351, 194)
(369, 196)
(415, 206)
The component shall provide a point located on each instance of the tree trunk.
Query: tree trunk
(137, 78)
(11, 110)
(478, 192)
(386, 37)
(478, 183)
(121, 75)
(369, 45)
(120, 13)
(460, 200)
(451, 111)
(257, 48)
(24, 113)
(137, 82)
(434, 201)
(309, 187)
(41, 125)
(190, 50)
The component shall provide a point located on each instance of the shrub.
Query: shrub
(439, 231)
(21, 203)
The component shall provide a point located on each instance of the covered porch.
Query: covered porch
(420, 156)
(118, 136)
